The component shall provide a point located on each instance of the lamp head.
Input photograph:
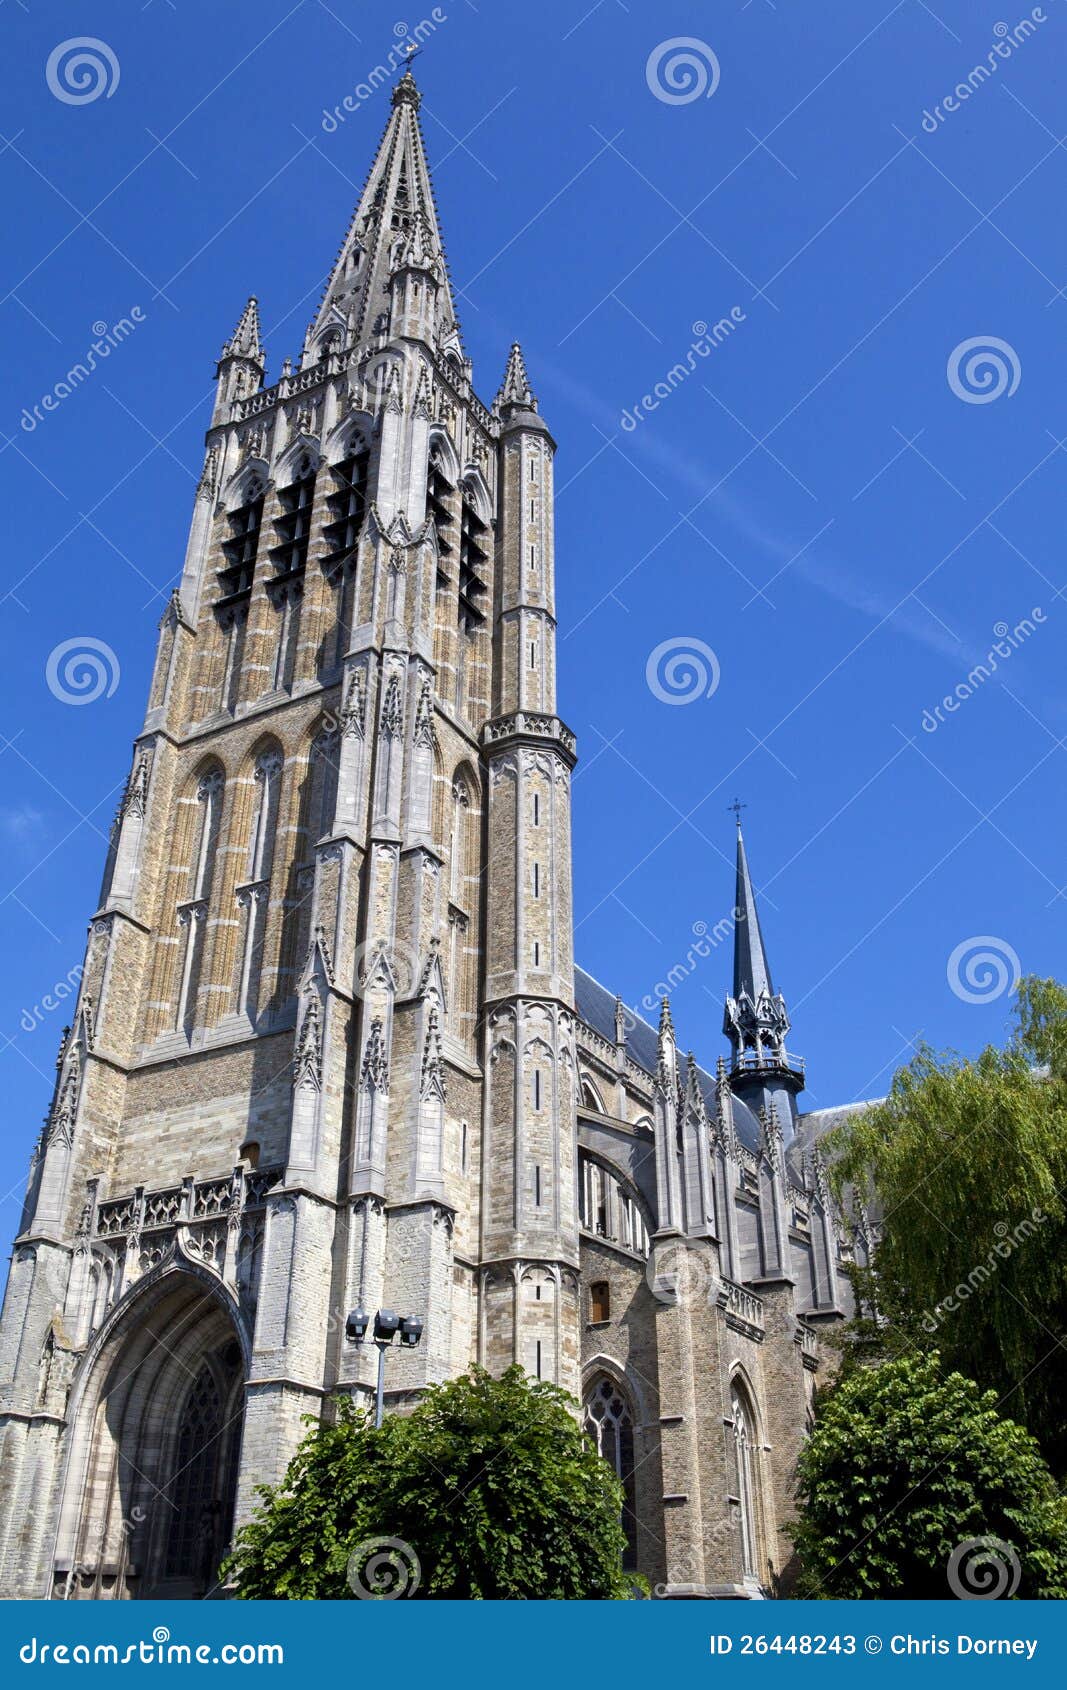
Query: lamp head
(356, 1326)
(410, 1331)
(386, 1323)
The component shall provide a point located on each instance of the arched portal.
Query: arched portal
(155, 1444)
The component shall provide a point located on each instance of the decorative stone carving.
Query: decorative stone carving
(425, 733)
(392, 723)
(135, 797)
(432, 1079)
(374, 1072)
(354, 709)
(308, 1066)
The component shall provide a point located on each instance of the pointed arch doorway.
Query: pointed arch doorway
(157, 1418)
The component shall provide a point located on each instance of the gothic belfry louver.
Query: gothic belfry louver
(324, 1054)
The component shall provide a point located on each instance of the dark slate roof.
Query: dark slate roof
(596, 1007)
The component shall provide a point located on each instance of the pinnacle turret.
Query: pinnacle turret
(515, 391)
(694, 1096)
(668, 1051)
(245, 341)
(242, 363)
(666, 1022)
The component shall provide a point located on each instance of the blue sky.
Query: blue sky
(841, 524)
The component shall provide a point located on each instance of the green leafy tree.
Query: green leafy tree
(487, 1489)
(912, 1485)
(967, 1164)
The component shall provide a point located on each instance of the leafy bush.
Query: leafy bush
(903, 1468)
(487, 1489)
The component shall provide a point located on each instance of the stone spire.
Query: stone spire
(515, 388)
(245, 341)
(752, 974)
(755, 1019)
(396, 218)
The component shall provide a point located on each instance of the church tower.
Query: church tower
(324, 1054)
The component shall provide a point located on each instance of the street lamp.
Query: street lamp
(387, 1325)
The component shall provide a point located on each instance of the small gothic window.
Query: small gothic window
(609, 1426)
(599, 1301)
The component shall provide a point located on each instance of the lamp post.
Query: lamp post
(387, 1325)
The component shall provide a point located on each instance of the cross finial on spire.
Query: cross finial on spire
(406, 88)
(737, 807)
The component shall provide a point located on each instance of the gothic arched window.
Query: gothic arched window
(203, 1474)
(195, 1461)
(460, 839)
(608, 1423)
(192, 913)
(253, 893)
(746, 1455)
(317, 806)
(463, 867)
(323, 771)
